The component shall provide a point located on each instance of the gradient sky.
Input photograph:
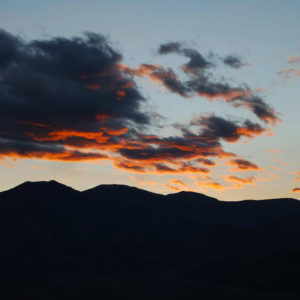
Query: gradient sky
(262, 37)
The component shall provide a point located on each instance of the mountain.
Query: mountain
(121, 242)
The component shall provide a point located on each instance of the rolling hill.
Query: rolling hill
(121, 242)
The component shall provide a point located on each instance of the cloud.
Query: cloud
(239, 182)
(236, 183)
(213, 185)
(293, 59)
(289, 73)
(72, 99)
(280, 161)
(243, 165)
(60, 92)
(143, 182)
(179, 182)
(172, 187)
(170, 47)
(201, 83)
(273, 151)
(196, 62)
(177, 185)
(131, 166)
(158, 74)
(297, 175)
(234, 61)
(230, 131)
(160, 168)
(295, 190)
(197, 146)
(188, 145)
(22, 149)
(206, 162)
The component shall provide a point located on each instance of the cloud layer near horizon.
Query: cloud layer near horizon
(72, 99)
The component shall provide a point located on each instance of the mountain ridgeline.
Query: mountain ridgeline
(121, 242)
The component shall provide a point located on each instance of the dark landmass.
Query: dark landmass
(120, 242)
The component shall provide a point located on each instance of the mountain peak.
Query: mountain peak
(116, 188)
(50, 183)
(191, 195)
(39, 186)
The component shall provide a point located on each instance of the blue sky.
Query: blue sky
(264, 33)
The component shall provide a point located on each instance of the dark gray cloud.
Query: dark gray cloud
(60, 84)
(50, 151)
(170, 47)
(9, 47)
(46, 79)
(214, 127)
(202, 83)
(197, 61)
(234, 61)
(205, 142)
(243, 165)
(72, 99)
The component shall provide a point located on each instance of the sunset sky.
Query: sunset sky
(163, 95)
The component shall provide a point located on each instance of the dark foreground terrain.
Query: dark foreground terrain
(119, 242)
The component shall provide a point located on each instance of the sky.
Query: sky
(162, 95)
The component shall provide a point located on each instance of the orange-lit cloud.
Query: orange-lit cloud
(297, 175)
(243, 165)
(293, 59)
(200, 83)
(152, 167)
(206, 162)
(273, 151)
(263, 179)
(212, 185)
(262, 89)
(289, 73)
(143, 182)
(280, 161)
(171, 187)
(272, 175)
(179, 183)
(86, 106)
(295, 190)
(65, 134)
(228, 96)
(236, 179)
(67, 156)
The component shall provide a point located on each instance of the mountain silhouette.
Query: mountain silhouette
(121, 242)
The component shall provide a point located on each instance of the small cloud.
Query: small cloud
(293, 59)
(243, 165)
(289, 73)
(273, 151)
(236, 179)
(297, 175)
(234, 61)
(211, 185)
(280, 161)
(179, 183)
(171, 187)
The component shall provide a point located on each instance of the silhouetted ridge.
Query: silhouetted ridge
(117, 188)
(184, 195)
(51, 186)
(121, 237)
